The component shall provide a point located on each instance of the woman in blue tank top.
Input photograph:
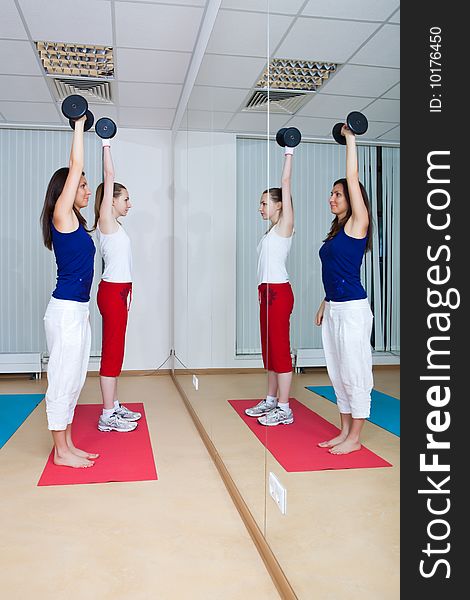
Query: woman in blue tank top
(66, 320)
(345, 314)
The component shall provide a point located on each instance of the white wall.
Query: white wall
(142, 160)
(205, 251)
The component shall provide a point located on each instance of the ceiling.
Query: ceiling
(174, 55)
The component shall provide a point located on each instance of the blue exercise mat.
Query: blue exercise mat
(384, 409)
(14, 410)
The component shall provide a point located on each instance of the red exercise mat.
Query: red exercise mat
(123, 456)
(295, 446)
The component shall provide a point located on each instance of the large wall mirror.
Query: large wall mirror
(270, 66)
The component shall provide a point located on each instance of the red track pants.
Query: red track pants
(112, 303)
(276, 302)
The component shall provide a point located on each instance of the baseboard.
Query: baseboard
(136, 373)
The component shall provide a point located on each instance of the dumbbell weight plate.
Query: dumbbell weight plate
(280, 136)
(292, 137)
(357, 122)
(339, 137)
(90, 119)
(74, 106)
(105, 128)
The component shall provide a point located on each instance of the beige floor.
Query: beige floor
(178, 538)
(340, 537)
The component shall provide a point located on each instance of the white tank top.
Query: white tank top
(115, 249)
(273, 251)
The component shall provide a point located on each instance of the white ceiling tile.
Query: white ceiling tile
(396, 17)
(30, 112)
(104, 110)
(207, 120)
(230, 71)
(181, 2)
(383, 110)
(214, 98)
(394, 93)
(320, 39)
(311, 126)
(11, 25)
(86, 22)
(291, 7)
(256, 122)
(276, 121)
(376, 130)
(24, 89)
(383, 50)
(153, 118)
(17, 58)
(332, 107)
(158, 26)
(251, 33)
(391, 136)
(366, 10)
(151, 65)
(149, 95)
(368, 81)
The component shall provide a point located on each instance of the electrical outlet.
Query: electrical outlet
(278, 493)
(195, 382)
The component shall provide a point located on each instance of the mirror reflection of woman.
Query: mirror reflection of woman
(276, 300)
(345, 315)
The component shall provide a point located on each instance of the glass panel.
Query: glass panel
(226, 155)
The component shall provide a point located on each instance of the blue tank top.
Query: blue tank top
(74, 255)
(341, 259)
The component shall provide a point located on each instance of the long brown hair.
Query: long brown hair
(118, 188)
(54, 190)
(336, 224)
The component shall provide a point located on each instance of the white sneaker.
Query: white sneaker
(127, 414)
(277, 416)
(115, 423)
(262, 408)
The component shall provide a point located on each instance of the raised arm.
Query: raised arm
(286, 222)
(107, 222)
(358, 224)
(63, 218)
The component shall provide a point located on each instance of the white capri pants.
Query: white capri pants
(68, 335)
(346, 330)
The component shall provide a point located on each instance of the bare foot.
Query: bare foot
(346, 447)
(69, 459)
(82, 453)
(334, 442)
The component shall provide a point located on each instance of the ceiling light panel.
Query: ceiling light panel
(76, 60)
(296, 74)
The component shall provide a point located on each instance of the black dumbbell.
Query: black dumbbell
(288, 136)
(357, 123)
(74, 107)
(105, 128)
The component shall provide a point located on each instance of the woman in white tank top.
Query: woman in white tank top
(114, 292)
(276, 300)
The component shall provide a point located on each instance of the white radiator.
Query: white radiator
(27, 362)
(309, 357)
(314, 357)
